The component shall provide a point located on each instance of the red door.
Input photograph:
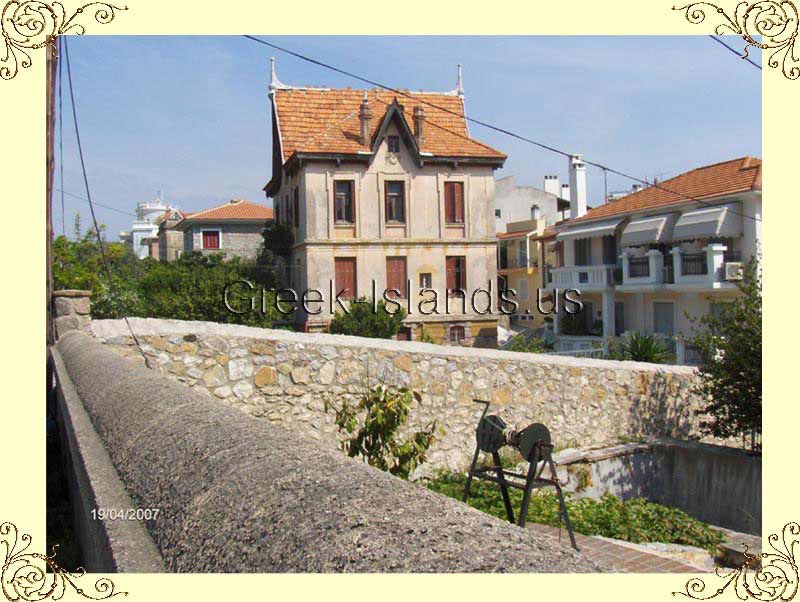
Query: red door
(346, 277)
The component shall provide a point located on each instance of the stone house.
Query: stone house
(170, 239)
(233, 229)
(655, 260)
(388, 191)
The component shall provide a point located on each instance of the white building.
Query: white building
(514, 203)
(654, 260)
(145, 227)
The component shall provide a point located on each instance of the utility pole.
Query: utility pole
(51, 62)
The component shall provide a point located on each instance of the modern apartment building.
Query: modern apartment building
(654, 260)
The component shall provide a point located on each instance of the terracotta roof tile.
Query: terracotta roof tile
(327, 121)
(729, 177)
(231, 211)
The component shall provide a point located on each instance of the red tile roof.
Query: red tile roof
(719, 179)
(327, 121)
(236, 210)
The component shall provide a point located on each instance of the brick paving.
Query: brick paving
(620, 558)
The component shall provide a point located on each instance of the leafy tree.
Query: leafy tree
(362, 321)
(374, 436)
(730, 370)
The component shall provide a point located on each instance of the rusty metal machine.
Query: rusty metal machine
(535, 445)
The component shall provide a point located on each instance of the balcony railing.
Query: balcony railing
(731, 256)
(694, 264)
(513, 263)
(587, 276)
(639, 267)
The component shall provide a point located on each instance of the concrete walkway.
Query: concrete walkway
(619, 558)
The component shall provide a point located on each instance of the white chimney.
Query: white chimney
(564, 192)
(636, 188)
(577, 186)
(535, 213)
(551, 185)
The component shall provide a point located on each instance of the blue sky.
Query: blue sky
(189, 115)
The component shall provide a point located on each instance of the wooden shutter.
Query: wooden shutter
(454, 202)
(451, 273)
(211, 239)
(396, 275)
(346, 277)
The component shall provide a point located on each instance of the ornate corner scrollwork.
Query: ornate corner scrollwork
(32, 24)
(24, 576)
(777, 579)
(776, 21)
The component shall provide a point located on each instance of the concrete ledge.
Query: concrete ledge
(109, 329)
(240, 495)
(107, 545)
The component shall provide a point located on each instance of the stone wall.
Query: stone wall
(286, 378)
(72, 310)
(236, 494)
(238, 240)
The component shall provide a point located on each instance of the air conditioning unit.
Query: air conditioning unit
(733, 270)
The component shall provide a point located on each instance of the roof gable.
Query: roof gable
(327, 121)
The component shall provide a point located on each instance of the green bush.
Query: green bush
(373, 425)
(527, 345)
(636, 520)
(363, 321)
(639, 347)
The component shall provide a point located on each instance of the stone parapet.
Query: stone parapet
(237, 494)
(72, 311)
(286, 378)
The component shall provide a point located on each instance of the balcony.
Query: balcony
(704, 269)
(584, 277)
(515, 263)
(694, 264)
(639, 267)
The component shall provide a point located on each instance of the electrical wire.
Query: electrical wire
(77, 196)
(100, 242)
(490, 126)
(736, 52)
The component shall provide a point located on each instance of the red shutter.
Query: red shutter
(451, 273)
(396, 275)
(458, 201)
(211, 240)
(346, 277)
(454, 202)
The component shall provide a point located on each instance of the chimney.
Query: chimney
(577, 186)
(459, 84)
(636, 188)
(365, 116)
(419, 125)
(551, 185)
(564, 192)
(535, 213)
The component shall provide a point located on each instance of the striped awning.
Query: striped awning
(590, 230)
(649, 230)
(709, 222)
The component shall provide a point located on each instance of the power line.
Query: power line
(77, 196)
(736, 52)
(100, 242)
(490, 126)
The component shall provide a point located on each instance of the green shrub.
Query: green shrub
(527, 345)
(373, 424)
(363, 321)
(639, 347)
(636, 520)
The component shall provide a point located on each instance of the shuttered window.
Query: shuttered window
(211, 239)
(395, 194)
(346, 277)
(344, 210)
(454, 202)
(456, 274)
(457, 333)
(396, 276)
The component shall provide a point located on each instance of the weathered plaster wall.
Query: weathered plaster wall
(286, 378)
